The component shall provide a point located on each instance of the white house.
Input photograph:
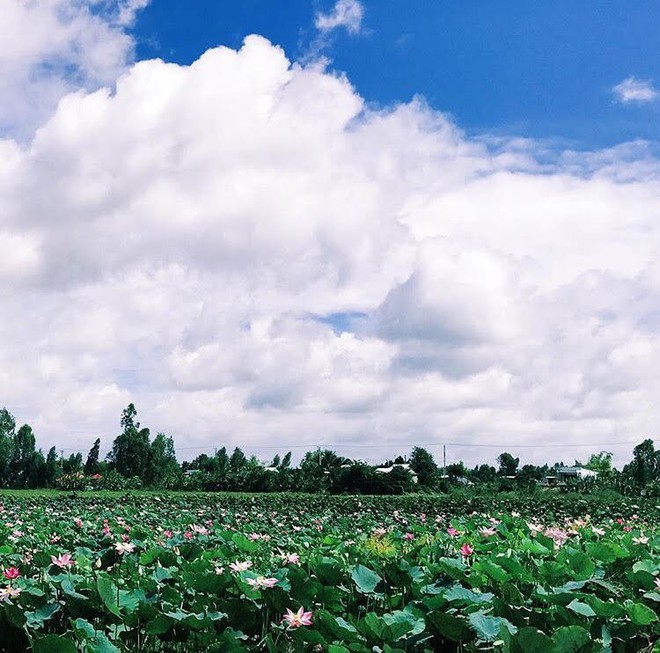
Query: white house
(387, 470)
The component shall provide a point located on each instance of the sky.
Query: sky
(351, 224)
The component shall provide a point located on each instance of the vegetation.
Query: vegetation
(294, 573)
(136, 460)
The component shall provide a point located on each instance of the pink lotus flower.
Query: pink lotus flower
(11, 573)
(557, 535)
(534, 529)
(188, 535)
(78, 522)
(408, 536)
(642, 539)
(9, 593)
(297, 619)
(62, 561)
(261, 582)
(453, 532)
(290, 558)
(124, 547)
(487, 532)
(168, 533)
(466, 550)
(240, 566)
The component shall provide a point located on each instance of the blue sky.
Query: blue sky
(532, 69)
(254, 252)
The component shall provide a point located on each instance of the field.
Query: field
(148, 572)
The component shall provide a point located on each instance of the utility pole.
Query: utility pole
(444, 460)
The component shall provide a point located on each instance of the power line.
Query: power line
(348, 445)
(345, 445)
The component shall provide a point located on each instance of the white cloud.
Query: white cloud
(636, 90)
(127, 11)
(345, 13)
(51, 47)
(194, 241)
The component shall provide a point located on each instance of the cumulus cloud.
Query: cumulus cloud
(345, 13)
(51, 47)
(633, 90)
(126, 11)
(254, 257)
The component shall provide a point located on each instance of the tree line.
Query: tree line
(136, 460)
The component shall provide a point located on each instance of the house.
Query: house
(564, 474)
(406, 466)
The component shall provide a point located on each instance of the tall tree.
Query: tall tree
(457, 470)
(483, 473)
(92, 463)
(128, 418)
(529, 475)
(600, 462)
(73, 464)
(7, 433)
(508, 464)
(36, 470)
(237, 460)
(52, 468)
(131, 449)
(645, 465)
(397, 481)
(163, 468)
(22, 459)
(221, 463)
(358, 478)
(422, 463)
(317, 468)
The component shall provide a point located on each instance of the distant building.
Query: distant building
(456, 479)
(406, 466)
(564, 474)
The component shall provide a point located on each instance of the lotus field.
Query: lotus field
(296, 573)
